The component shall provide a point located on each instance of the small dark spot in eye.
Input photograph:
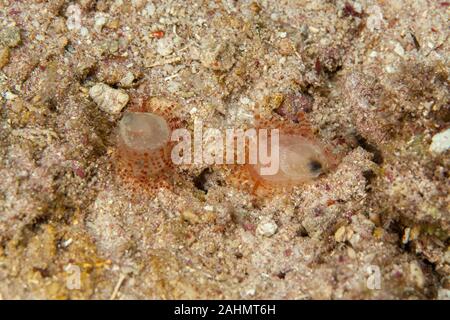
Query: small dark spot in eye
(315, 166)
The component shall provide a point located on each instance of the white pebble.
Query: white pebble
(358, 7)
(84, 31)
(399, 49)
(443, 294)
(440, 142)
(73, 14)
(375, 19)
(100, 20)
(149, 9)
(390, 69)
(267, 228)
(244, 100)
(164, 47)
(250, 292)
(9, 95)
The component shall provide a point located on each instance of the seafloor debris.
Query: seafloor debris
(267, 228)
(108, 99)
(4, 56)
(10, 36)
(440, 142)
(218, 56)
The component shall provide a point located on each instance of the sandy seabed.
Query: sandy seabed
(371, 76)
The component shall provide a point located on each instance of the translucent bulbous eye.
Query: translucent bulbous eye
(142, 130)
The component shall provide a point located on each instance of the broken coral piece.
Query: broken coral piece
(108, 99)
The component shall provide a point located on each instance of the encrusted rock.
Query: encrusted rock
(10, 36)
(345, 233)
(108, 99)
(127, 80)
(4, 56)
(339, 235)
(190, 216)
(218, 56)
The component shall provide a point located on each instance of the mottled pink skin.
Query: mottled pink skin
(143, 148)
(143, 151)
(300, 160)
